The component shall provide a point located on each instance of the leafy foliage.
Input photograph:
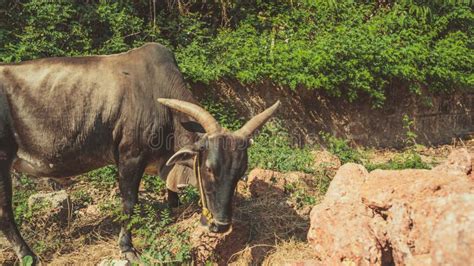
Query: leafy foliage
(224, 113)
(408, 159)
(346, 48)
(20, 200)
(154, 184)
(104, 177)
(273, 149)
(163, 242)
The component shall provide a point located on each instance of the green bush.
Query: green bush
(154, 184)
(346, 48)
(224, 113)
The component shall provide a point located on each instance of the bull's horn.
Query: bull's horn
(202, 116)
(257, 121)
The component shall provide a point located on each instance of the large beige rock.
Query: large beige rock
(407, 217)
(340, 224)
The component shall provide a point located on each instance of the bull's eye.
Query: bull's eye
(208, 170)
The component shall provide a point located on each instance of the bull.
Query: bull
(62, 117)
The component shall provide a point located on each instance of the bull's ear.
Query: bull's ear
(185, 157)
(192, 126)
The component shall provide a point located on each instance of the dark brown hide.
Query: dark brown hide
(65, 116)
(72, 114)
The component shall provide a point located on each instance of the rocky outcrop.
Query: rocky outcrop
(407, 217)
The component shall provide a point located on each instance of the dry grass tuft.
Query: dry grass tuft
(289, 252)
(89, 254)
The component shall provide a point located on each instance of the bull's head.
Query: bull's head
(220, 160)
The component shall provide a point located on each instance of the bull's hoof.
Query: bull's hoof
(132, 257)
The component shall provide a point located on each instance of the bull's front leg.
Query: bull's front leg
(7, 221)
(130, 173)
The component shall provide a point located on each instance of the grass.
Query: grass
(272, 149)
(407, 159)
(103, 178)
(26, 187)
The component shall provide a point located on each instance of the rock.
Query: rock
(110, 262)
(407, 217)
(458, 162)
(333, 221)
(346, 184)
(56, 204)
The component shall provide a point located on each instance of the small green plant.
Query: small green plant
(162, 242)
(81, 197)
(303, 198)
(21, 195)
(189, 195)
(111, 207)
(410, 135)
(341, 148)
(104, 177)
(154, 184)
(27, 261)
(322, 179)
(408, 159)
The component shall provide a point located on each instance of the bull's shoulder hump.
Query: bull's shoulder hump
(77, 60)
(153, 51)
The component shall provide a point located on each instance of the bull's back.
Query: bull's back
(68, 112)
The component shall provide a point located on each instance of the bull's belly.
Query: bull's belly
(34, 165)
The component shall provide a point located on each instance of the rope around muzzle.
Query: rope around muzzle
(197, 172)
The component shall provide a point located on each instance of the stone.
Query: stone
(403, 217)
(458, 162)
(333, 221)
(56, 204)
